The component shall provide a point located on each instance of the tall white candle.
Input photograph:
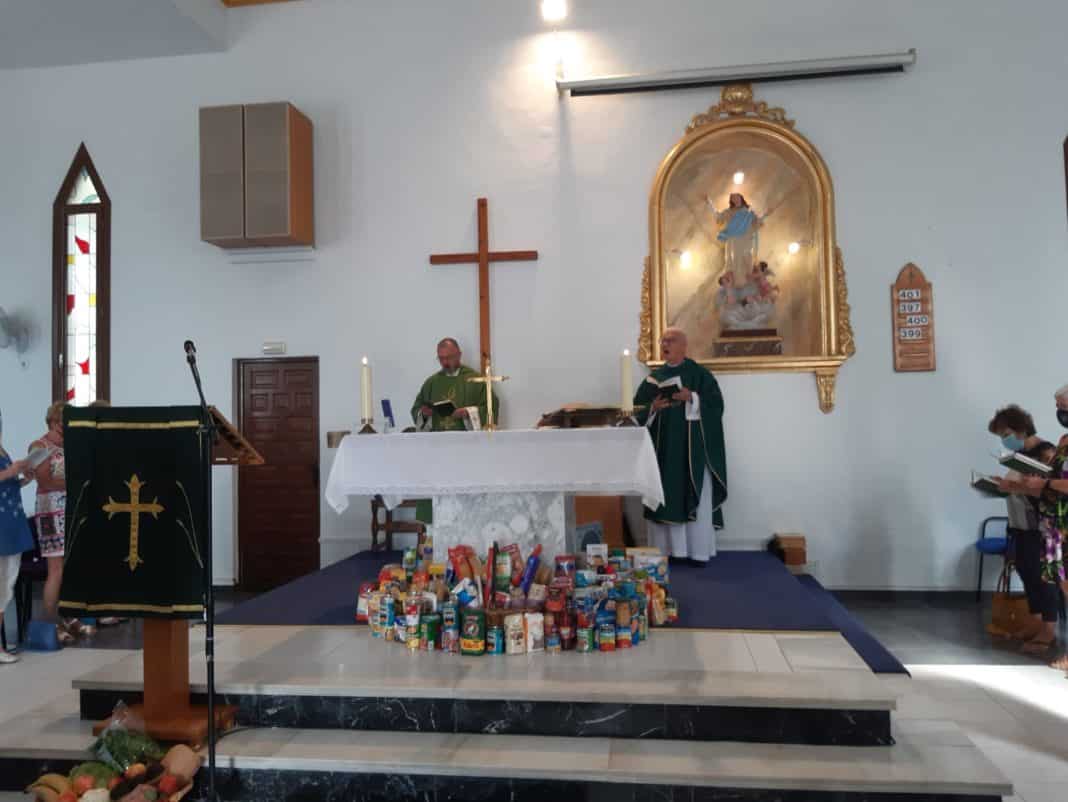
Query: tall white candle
(365, 391)
(626, 383)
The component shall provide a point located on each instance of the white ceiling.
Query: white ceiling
(45, 33)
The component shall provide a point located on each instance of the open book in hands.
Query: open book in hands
(987, 486)
(444, 408)
(37, 457)
(1021, 463)
(667, 388)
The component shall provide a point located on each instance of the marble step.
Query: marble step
(324, 764)
(682, 685)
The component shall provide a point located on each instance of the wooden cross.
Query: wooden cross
(488, 379)
(482, 258)
(135, 509)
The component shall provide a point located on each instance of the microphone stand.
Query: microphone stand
(208, 434)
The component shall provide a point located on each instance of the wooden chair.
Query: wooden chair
(388, 527)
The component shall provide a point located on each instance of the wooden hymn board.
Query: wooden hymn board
(913, 316)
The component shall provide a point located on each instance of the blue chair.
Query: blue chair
(991, 545)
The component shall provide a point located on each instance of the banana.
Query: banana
(43, 793)
(57, 782)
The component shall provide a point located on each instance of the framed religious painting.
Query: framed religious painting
(742, 250)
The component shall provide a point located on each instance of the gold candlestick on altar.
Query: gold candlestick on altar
(488, 379)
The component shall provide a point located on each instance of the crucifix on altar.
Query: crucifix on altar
(488, 379)
(482, 258)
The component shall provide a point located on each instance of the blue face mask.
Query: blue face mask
(1012, 442)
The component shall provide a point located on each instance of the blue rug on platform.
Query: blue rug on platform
(739, 590)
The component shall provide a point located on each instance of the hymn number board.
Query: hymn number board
(913, 316)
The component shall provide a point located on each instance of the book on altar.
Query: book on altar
(987, 486)
(1021, 463)
(445, 407)
(667, 388)
(38, 456)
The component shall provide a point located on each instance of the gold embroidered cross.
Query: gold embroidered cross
(135, 509)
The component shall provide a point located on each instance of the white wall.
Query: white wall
(419, 110)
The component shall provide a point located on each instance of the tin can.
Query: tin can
(643, 627)
(495, 640)
(584, 639)
(473, 632)
(400, 631)
(450, 615)
(450, 640)
(413, 606)
(606, 637)
(672, 608)
(623, 638)
(387, 612)
(552, 643)
(430, 632)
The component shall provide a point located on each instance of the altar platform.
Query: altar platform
(329, 713)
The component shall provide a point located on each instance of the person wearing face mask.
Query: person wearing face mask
(1016, 430)
(1051, 495)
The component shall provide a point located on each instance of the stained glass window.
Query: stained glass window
(81, 308)
(84, 191)
(81, 218)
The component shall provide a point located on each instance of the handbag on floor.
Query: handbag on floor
(1008, 611)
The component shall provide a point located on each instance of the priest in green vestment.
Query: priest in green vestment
(683, 409)
(463, 400)
(466, 398)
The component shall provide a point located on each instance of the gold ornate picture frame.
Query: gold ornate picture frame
(742, 248)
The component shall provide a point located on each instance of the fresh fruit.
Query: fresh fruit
(136, 770)
(113, 782)
(168, 784)
(95, 795)
(154, 771)
(123, 788)
(100, 773)
(83, 782)
(68, 796)
(182, 760)
(42, 793)
(57, 782)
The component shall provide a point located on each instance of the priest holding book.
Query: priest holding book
(683, 408)
(447, 401)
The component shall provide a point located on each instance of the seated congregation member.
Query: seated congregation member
(1052, 497)
(15, 536)
(1016, 430)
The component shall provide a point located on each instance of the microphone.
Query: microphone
(190, 348)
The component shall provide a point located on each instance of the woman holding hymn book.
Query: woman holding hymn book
(1051, 495)
(1016, 430)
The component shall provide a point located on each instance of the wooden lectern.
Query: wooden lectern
(167, 710)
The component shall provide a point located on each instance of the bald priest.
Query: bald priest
(683, 408)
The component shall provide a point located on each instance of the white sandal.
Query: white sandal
(7, 658)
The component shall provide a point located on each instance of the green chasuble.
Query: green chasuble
(457, 389)
(684, 448)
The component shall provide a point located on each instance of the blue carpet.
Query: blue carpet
(738, 590)
(874, 653)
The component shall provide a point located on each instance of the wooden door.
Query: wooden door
(278, 503)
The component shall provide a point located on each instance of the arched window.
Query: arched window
(81, 286)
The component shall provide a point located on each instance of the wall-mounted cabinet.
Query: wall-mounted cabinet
(256, 168)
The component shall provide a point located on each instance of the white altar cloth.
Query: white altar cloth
(589, 462)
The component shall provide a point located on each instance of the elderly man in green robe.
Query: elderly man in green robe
(683, 409)
(463, 400)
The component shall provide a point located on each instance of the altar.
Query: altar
(512, 486)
